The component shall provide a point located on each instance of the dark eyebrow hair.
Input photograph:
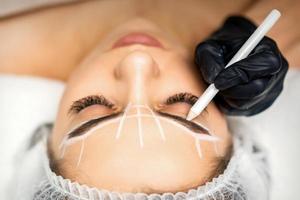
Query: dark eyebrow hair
(82, 129)
(189, 124)
(90, 124)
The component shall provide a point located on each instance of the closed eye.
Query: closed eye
(79, 105)
(183, 97)
(85, 102)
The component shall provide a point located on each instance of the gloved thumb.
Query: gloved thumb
(255, 66)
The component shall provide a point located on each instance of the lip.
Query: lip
(137, 38)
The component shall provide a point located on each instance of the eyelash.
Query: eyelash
(89, 101)
(81, 104)
(182, 97)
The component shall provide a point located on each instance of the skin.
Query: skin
(77, 50)
(44, 47)
(140, 75)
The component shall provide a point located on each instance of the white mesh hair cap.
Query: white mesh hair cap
(246, 177)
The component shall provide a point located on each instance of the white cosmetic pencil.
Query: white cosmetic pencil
(244, 51)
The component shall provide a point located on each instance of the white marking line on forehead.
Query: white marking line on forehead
(196, 135)
(139, 120)
(156, 117)
(215, 146)
(186, 130)
(198, 147)
(66, 141)
(161, 131)
(63, 151)
(122, 121)
(62, 144)
(80, 154)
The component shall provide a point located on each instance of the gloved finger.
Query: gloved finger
(209, 59)
(255, 66)
(228, 109)
(249, 90)
(256, 87)
(256, 105)
(241, 103)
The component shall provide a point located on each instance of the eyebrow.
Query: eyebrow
(189, 124)
(82, 129)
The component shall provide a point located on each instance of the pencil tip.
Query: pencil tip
(191, 116)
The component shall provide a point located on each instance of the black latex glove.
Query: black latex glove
(249, 86)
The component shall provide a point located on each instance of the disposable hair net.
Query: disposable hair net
(245, 177)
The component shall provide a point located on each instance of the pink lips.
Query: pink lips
(137, 38)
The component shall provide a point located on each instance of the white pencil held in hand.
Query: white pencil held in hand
(244, 51)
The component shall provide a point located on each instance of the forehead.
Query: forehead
(132, 151)
(107, 160)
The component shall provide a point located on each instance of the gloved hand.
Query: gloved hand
(249, 86)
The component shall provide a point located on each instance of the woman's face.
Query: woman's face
(121, 123)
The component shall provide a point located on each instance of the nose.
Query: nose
(137, 69)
